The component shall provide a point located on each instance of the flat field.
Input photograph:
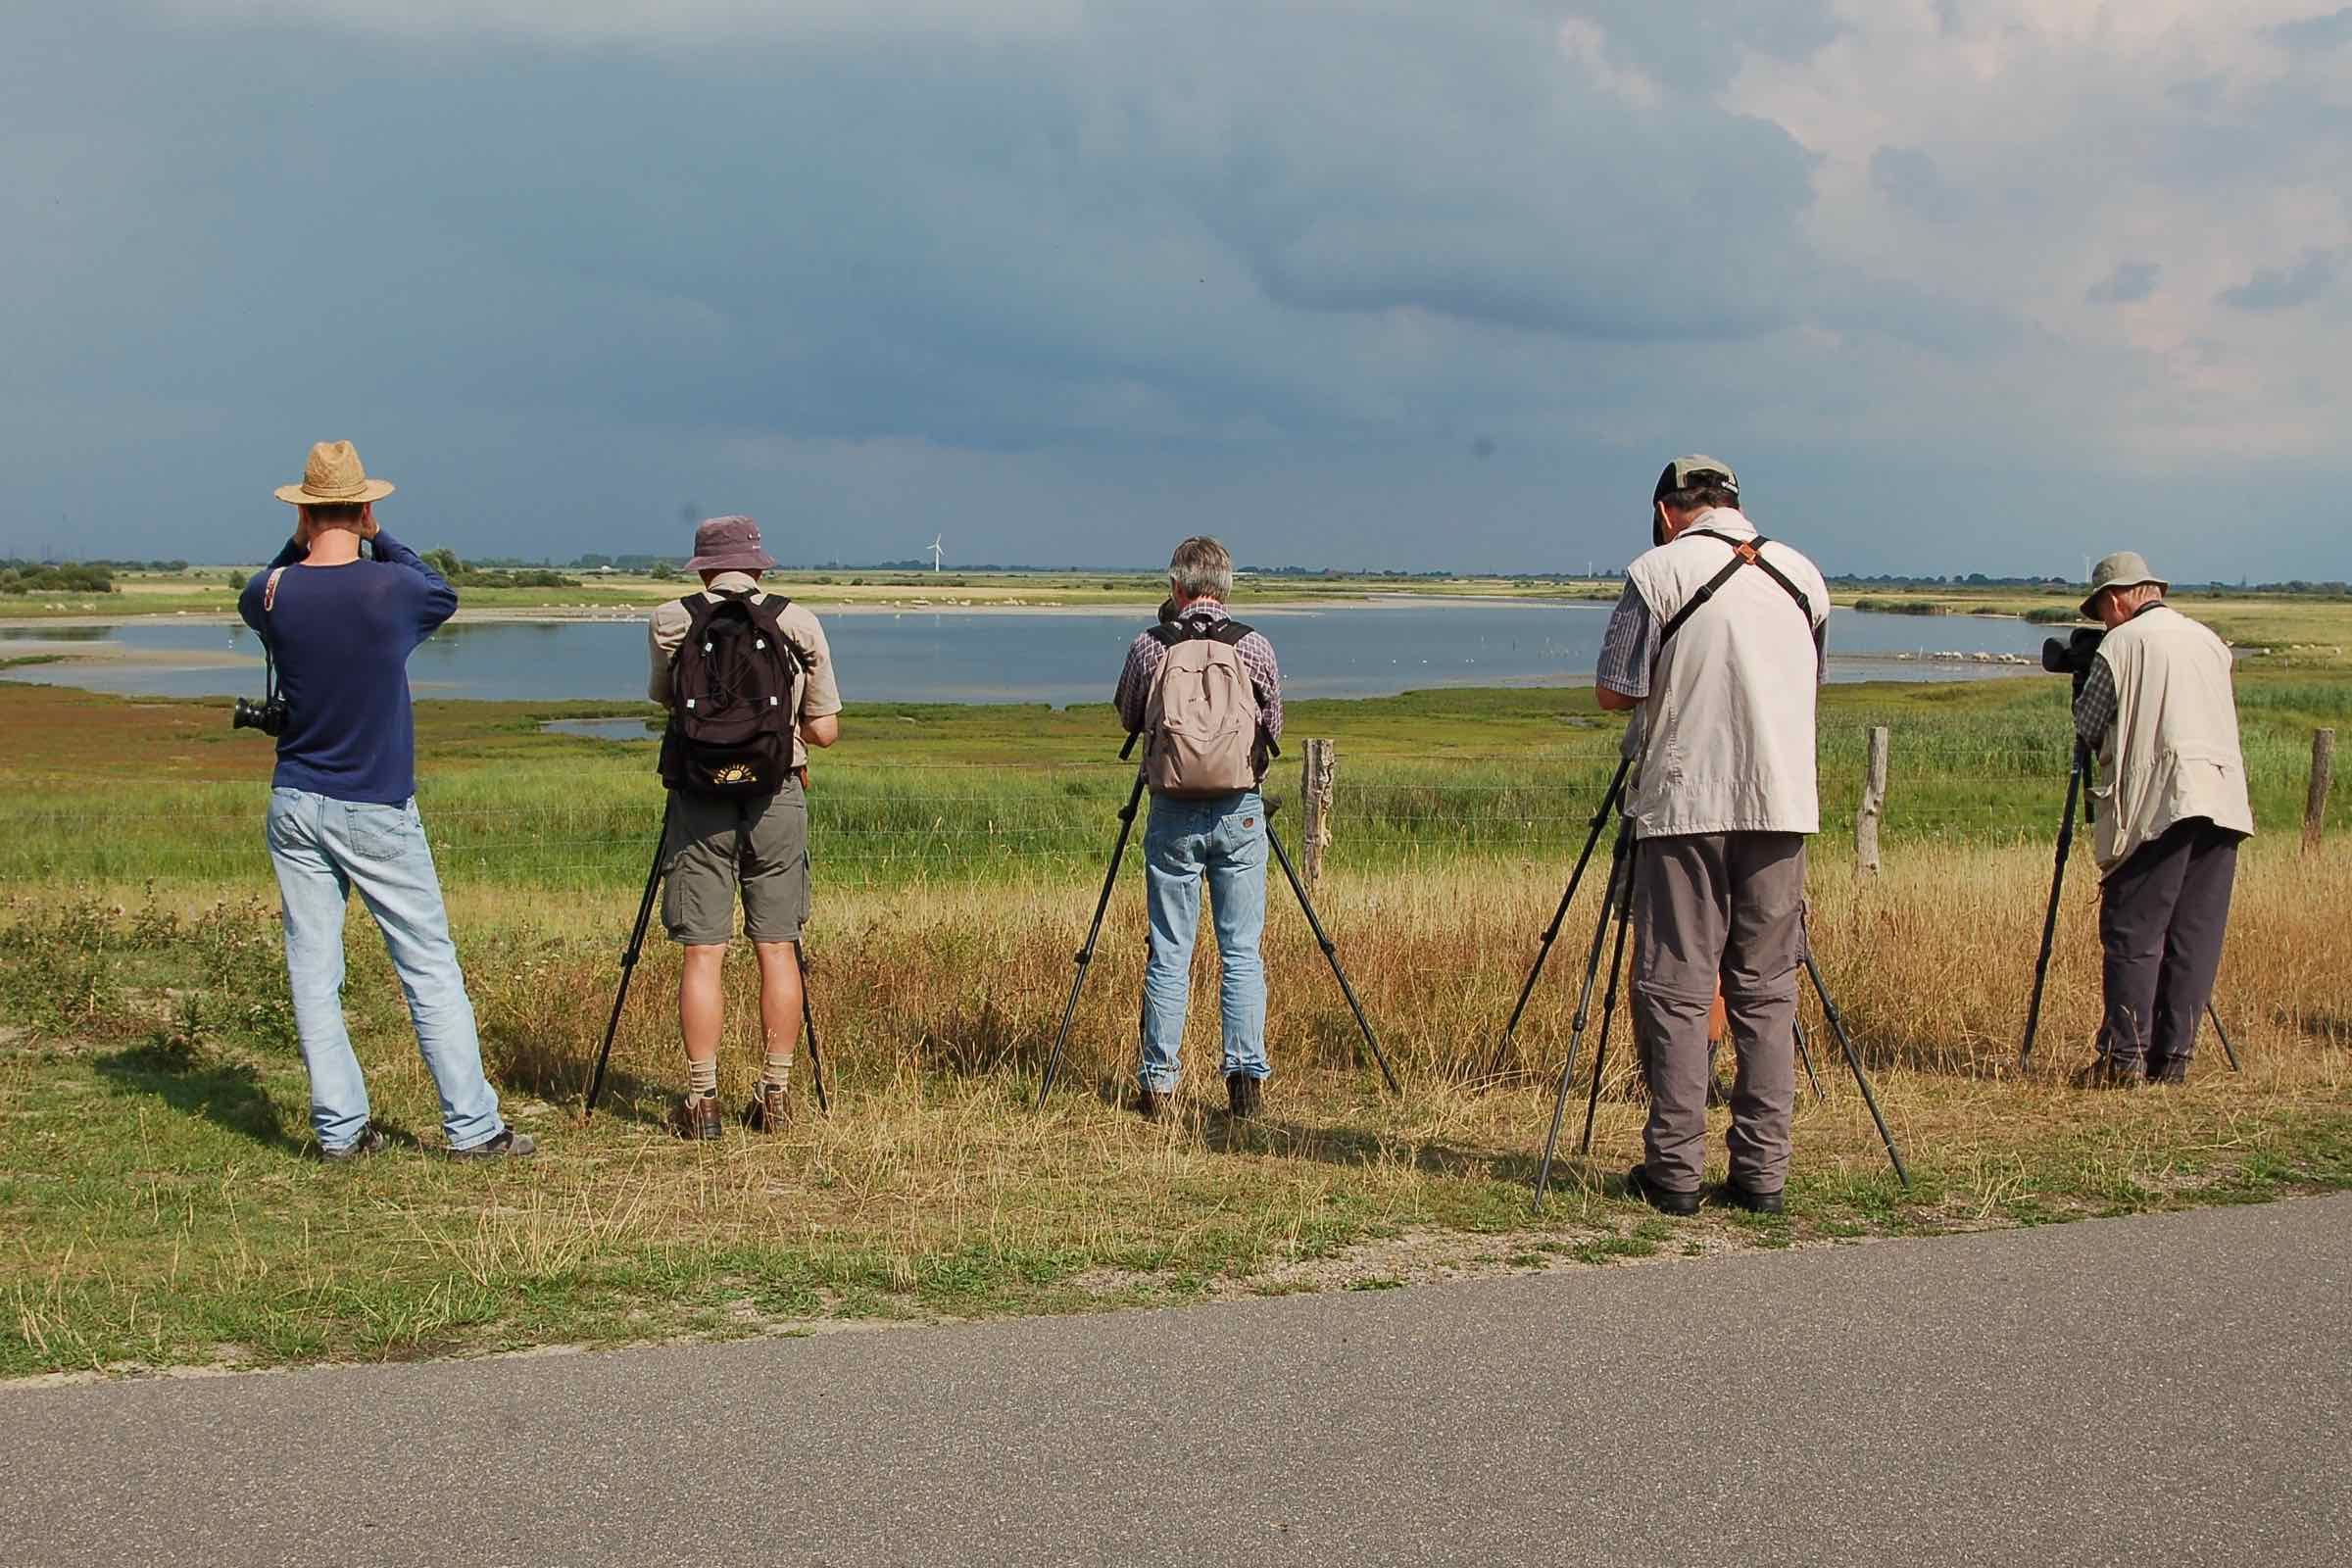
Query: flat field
(157, 1206)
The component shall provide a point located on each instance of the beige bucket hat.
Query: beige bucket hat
(2126, 569)
(333, 478)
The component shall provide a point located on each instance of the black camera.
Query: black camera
(269, 715)
(2073, 654)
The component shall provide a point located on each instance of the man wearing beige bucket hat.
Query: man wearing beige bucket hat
(342, 802)
(2157, 710)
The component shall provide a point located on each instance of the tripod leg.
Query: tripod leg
(2222, 1034)
(1552, 932)
(1829, 1010)
(1584, 1012)
(1608, 1004)
(628, 959)
(817, 1061)
(1331, 951)
(2050, 918)
(1086, 954)
(1804, 1053)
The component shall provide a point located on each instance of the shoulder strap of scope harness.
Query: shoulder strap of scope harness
(1744, 553)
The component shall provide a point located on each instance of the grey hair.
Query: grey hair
(1201, 569)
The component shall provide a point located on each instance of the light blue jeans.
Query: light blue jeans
(1222, 842)
(323, 848)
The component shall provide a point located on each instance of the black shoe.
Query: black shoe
(1749, 1199)
(1244, 1096)
(2173, 1070)
(370, 1141)
(1153, 1104)
(1682, 1206)
(507, 1145)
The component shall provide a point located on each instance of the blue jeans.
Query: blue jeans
(1222, 841)
(321, 850)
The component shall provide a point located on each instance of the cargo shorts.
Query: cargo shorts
(719, 846)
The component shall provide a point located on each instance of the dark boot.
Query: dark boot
(1748, 1199)
(1153, 1104)
(2173, 1070)
(2104, 1072)
(1681, 1205)
(1244, 1096)
(370, 1141)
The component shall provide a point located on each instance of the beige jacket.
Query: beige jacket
(816, 692)
(1727, 729)
(2172, 754)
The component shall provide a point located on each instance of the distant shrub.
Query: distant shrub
(69, 577)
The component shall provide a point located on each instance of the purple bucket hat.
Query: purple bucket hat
(729, 544)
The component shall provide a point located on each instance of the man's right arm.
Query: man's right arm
(2096, 705)
(248, 602)
(1627, 650)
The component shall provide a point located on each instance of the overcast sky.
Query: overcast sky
(1957, 284)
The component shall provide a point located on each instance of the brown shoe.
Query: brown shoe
(769, 1111)
(696, 1118)
(2104, 1072)
(1153, 1104)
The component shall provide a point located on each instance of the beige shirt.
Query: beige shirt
(815, 693)
(1727, 731)
(2172, 754)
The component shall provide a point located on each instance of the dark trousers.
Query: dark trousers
(1716, 909)
(2161, 918)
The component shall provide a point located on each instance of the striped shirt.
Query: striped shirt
(1144, 656)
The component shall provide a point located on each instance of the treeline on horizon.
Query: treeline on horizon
(20, 576)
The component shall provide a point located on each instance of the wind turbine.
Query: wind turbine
(934, 540)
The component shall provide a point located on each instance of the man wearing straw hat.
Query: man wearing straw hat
(2157, 710)
(343, 801)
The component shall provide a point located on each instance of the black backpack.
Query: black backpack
(731, 691)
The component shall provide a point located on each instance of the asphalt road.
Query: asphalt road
(2171, 1391)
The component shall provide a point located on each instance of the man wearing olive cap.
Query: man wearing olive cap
(2157, 710)
(1716, 648)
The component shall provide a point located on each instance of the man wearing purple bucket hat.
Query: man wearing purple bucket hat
(732, 832)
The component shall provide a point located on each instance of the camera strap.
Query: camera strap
(1744, 553)
(269, 650)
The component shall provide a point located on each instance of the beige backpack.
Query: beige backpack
(1201, 719)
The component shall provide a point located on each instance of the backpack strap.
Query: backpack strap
(1744, 553)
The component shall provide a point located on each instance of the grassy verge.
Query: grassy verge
(157, 1206)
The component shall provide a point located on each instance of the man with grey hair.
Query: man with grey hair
(2157, 710)
(1205, 693)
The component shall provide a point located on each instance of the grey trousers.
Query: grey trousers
(1712, 907)
(2162, 913)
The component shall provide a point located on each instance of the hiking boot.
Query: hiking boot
(1748, 1199)
(696, 1118)
(1682, 1206)
(2173, 1071)
(508, 1144)
(370, 1141)
(2104, 1072)
(1244, 1096)
(1153, 1104)
(769, 1111)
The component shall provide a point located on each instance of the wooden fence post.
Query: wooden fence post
(1314, 787)
(1873, 803)
(2314, 796)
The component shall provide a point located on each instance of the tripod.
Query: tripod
(1618, 904)
(636, 950)
(2078, 783)
(1552, 932)
(1093, 930)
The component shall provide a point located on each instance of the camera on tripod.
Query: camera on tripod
(269, 715)
(2073, 654)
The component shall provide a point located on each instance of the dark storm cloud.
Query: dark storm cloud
(2283, 288)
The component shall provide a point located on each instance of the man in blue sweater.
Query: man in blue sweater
(343, 807)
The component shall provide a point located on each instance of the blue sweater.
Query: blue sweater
(343, 636)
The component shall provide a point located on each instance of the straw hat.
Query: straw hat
(333, 478)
